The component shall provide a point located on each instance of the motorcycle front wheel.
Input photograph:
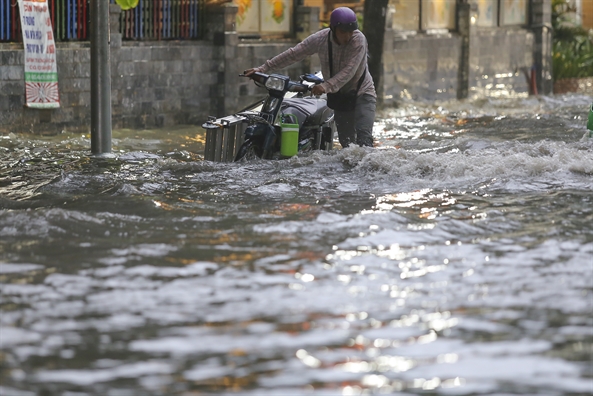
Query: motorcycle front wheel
(248, 151)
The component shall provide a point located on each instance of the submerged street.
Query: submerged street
(454, 258)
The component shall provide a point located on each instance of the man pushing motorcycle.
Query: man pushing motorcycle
(342, 51)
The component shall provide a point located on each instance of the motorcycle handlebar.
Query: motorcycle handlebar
(256, 76)
(297, 87)
(261, 78)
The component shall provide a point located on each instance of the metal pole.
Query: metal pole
(100, 78)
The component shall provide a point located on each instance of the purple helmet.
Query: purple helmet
(343, 18)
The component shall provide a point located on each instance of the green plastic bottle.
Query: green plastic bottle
(590, 122)
(289, 139)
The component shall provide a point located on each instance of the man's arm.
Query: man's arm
(307, 47)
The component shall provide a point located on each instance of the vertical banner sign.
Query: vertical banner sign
(41, 71)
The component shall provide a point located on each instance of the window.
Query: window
(513, 12)
(406, 14)
(487, 13)
(438, 14)
(435, 14)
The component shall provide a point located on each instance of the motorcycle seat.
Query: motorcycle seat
(309, 111)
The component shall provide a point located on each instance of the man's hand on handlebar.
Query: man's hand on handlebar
(317, 90)
(249, 72)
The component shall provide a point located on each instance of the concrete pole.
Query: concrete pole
(541, 25)
(100, 78)
(464, 27)
(375, 14)
(220, 23)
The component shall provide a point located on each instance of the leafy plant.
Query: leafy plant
(127, 4)
(572, 45)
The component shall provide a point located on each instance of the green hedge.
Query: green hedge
(572, 45)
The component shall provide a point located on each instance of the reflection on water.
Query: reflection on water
(454, 258)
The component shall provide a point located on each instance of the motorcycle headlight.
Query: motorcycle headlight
(275, 83)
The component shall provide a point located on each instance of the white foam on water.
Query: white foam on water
(11, 336)
(275, 190)
(18, 223)
(527, 370)
(10, 268)
(194, 269)
(145, 249)
(88, 377)
(206, 371)
(206, 342)
(551, 162)
(6, 390)
(133, 156)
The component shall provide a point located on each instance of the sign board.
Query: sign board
(263, 16)
(41, 71)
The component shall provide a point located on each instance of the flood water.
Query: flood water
(455, 258)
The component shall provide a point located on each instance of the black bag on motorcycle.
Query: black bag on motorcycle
(341, 101)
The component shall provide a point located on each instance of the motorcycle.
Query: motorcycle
(290, 120)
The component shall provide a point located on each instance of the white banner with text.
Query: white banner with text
(41, 70)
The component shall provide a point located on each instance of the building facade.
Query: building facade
(160, 83)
